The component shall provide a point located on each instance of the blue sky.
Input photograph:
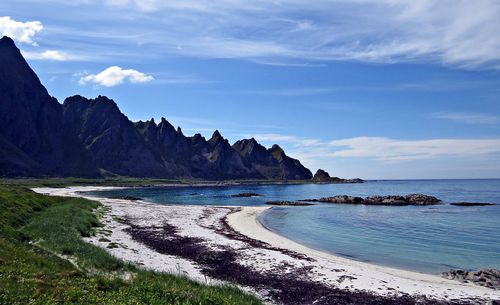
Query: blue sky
(373, 89)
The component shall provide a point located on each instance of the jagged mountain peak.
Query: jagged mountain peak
(216, 135)
(217, 138)
(249, 146)
(277, 148)
(197, 137)
(84, 136)
(165, 124)
(31, 121)
(6, 40)
(246, 142)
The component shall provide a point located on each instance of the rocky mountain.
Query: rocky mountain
(322, 176)
(271, 162)
(92, 137)
(33, 139)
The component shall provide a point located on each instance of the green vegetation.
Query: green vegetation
(43, 260)
(129, 181)
(70, 181)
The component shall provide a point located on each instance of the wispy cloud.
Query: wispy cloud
(391, 150)
(169, 78)
(290, 31)
(468, 118)
(115, 75)
(20, 31)
(50, 55)
(285, 91)
(386, 149)
(279, 138)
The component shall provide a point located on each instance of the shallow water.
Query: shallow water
(429, 239)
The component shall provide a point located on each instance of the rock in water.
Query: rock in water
(341, 199)
(323, 176)
(486, 277)
(471, 204)
(246, 195)
(420, 199)
(391, 200)
(131, 198)
(289, 203)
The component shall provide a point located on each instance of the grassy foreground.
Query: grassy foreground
(43, 260)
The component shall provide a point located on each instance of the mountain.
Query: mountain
(271, 163)
(92, 137)
(33, 139)
(322, 176)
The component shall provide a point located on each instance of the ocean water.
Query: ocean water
(428, 239)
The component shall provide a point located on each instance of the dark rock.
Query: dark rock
(289, 203)
(131, 198)
(420, 199)
(322, 176)
(92, 137)
(354, 180)
(33, 138)
(392, 200)
(341, 199)
(471, 204)
(486, 277)
(246, 195)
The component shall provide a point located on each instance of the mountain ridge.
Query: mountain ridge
(91, 137)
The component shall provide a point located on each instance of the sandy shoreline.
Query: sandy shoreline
(237, 231)
(369, 276)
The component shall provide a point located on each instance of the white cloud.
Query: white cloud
(391, 150)
(20, 31)
(379, 157)
(49, 55)
(458, 33)
(115, 75)
(385, 149)
(469, 118)
(461, 33)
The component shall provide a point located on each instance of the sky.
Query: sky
(377, 89)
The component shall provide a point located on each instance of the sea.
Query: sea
(428, 239)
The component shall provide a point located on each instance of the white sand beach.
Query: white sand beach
(207, 224)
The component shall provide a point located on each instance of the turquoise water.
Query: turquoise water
(429, 239)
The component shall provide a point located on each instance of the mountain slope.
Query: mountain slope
(89, 137)
(271, 163)
(31, 121)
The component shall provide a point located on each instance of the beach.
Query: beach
(214, 245)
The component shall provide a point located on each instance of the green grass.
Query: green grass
(70, 181)
(38, 234)
(128, 181)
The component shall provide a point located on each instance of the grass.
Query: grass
(70, 181)
(43, 260)
(130, 181)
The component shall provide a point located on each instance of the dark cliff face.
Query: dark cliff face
(115, 144)
(31, 122)
(321, 176)
(271, 163)
(88, 137)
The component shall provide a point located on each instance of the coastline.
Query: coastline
(237, 229)
(371, 276)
